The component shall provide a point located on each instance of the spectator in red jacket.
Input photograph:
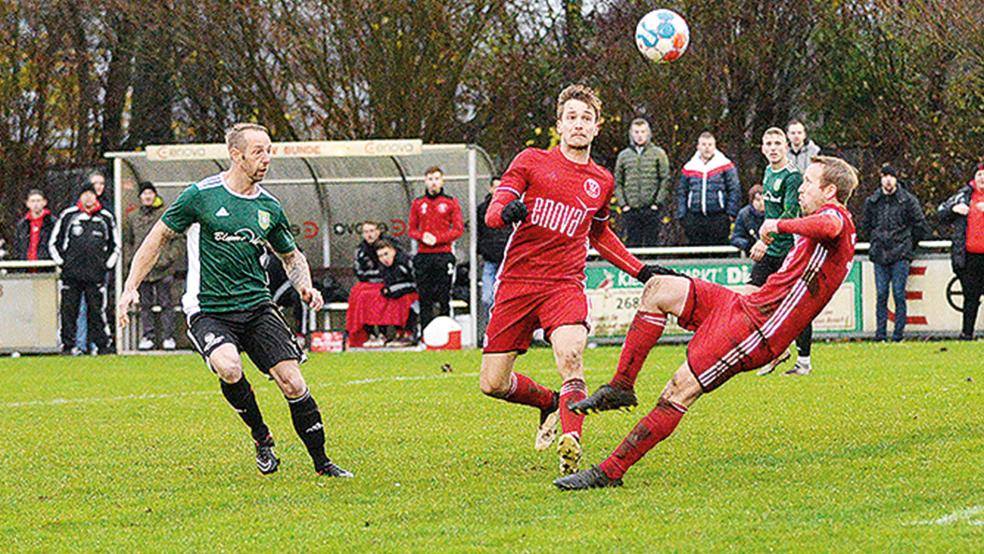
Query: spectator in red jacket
(435, 223)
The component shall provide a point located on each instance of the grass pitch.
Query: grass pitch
(879, 450)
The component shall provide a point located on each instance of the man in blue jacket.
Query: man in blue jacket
(709, 194)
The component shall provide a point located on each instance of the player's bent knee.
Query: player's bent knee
(664, 293)
(494, 388)
(230, 371)
(570, 362)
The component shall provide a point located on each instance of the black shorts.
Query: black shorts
(763, 268)
(261, 332)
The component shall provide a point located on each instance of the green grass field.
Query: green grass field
(880, 450)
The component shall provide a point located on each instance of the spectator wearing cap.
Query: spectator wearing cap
(33, 231)
(750, 218)
(156, 288)
(84, 243)
(894, 223)
(965, 211)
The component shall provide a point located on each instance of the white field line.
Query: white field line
(960, 515)
(215, 392)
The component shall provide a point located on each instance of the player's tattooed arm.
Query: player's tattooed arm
(299, 273)
(143, 261)
(297, 269)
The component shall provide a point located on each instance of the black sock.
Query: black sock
(240, 396)
(307, 422)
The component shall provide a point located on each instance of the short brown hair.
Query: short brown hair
(639, 122)
(795, 122)
(839, 173)
(234, 134)
(707, 135)
(384, 243)
(371, 222)
(35, 192)
(434, 169)
(774, 131)
(756, 189)
(583, 93)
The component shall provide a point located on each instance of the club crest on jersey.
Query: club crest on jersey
(441, 208)
(592, 188)
(778, 184)
(263, 218)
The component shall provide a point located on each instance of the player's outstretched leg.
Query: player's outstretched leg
(568, 343)
(306, 417)
(663, 294)
(498, 380)
(682, 390)
(225, 361)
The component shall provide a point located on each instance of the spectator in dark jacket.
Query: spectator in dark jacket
(965, 211)
(894, 223)
(367, 268)
(85, 245)
(642, 185)
(156, 287)
(399, 283)
(708, 195)
(491, 246)
(33, 232)
(750, 218)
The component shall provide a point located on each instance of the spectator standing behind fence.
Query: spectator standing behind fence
(894, 223)
(400, 290)
(156, 288)
(642, 185)
(33, 231)
(708, 195)
(750, 218)
(435, 223)
(801, 148)
(965, 210)
(491, 246)
(84, 244)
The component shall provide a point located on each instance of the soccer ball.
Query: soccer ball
(662, 35)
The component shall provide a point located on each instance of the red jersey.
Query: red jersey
(812, 272)
(975, 223)
(438, 215)
(565, 200)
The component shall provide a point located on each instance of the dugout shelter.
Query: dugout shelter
(327, 189)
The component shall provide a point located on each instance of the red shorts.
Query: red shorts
(521, 308)
(727, 341)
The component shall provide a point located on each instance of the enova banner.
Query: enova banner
(934, 298)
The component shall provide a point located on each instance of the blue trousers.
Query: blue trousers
(489, 271)
(894, 275)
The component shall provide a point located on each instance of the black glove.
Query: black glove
(649, 271)
(515, 212)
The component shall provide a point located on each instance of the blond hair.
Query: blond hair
(583, 93)
(234, 135)
(839, 173)
(774, 131)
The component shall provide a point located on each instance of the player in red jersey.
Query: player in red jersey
(733, 332)
(558, 202)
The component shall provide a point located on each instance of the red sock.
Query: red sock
(524, 390)
(653, 428)
(643, 335)
(573, 390)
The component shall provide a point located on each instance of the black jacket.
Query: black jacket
(491, 242)
(958, 251)
(747, 227)
(894, 224)
(398, 278)
(84, 245)
(367, 266)
(22, 238)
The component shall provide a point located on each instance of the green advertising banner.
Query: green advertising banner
(614, 297)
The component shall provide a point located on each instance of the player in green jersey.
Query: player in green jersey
(229, 220)
(781, 182)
